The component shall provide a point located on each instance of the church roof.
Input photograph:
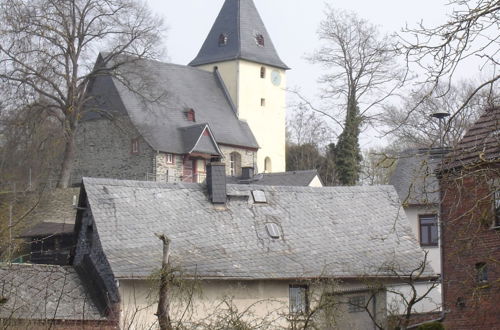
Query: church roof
(158, 97)
(323, 232)
(238, 33)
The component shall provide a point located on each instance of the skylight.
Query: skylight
(259, 196)
(273, 230)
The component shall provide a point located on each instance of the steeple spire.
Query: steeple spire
(238, 33)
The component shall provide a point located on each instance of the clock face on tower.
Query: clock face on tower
(276, 78)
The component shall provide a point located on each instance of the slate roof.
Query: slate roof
(331, 232)
(414, 176)
(48, 228)
(158, 95)
(240, 21)
(480, 144)
(290, 178)
(43, 292)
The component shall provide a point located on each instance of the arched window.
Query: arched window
(223, 40)
(267, 165)
(235, 163)
(263, 72)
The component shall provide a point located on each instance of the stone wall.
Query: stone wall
(104, 150)
(469, 239)
(248, 157)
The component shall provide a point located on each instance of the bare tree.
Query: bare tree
(48, 50)
(411, 125)
(471, 32)
(362, 75)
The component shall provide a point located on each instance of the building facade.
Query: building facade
(470, 188)
(149, 120)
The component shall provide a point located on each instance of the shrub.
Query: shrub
(431, 326)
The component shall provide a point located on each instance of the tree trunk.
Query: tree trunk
(68, 161)
(163, 312)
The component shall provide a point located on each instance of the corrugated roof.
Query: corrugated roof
(240, 22)
(331, 231)
(48, 228)
(43, 292)
(480, 144)
(414, 176)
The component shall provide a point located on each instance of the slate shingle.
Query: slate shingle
(332, 231)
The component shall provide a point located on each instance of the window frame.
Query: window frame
(481, 272)
(428, 230)
(223, 39)
(303, 289)
(172, 158)
(134, 146)
(358, 306)
(263, 72)
(260, 40)
(496, 208)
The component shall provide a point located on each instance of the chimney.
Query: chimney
(246, 173)
(216, 182)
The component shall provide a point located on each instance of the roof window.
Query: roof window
(190, 115)
(259, 196)
(223, 39)
(259, 38)
(273, 230)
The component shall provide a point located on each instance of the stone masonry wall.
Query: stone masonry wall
(248, 157)
(468, 240)
(104, 150)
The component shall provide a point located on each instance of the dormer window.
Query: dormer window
(190, 115)
(259, 38)
(223, 39)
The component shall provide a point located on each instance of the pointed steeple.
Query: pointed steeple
(238, 33)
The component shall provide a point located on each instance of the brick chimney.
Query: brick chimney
(216, 182)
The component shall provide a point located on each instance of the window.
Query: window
(169, 158)
(235, 164)
(134, 146)
(356, 304)
(262, 72)
(481, 272)
(428, 230)
(267, 165)
(262, 102)
(299, 303)
(190, 115)
(223, 39)
(259, 38)
(496, 206)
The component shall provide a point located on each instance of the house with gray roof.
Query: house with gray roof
(415, 181)
(149, 120)
(43, 296)
(254, 243)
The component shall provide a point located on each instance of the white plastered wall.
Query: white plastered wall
(246, 88)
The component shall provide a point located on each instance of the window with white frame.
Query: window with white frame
(169, 158)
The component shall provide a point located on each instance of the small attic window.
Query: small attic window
(223, 39)
(273, 230)
(259, 38)
(190, 115)
(259, 196)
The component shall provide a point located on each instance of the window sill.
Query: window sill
(429, 245)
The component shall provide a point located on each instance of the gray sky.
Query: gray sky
(292, 25)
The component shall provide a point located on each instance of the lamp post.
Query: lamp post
(441, 117)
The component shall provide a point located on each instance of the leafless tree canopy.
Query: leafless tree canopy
(471, 32)
(48, 50)
(360, 62)
(411, 125)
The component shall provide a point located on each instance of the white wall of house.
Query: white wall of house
(434, 253)
(431, 302)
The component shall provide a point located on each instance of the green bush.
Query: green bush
(431, 326)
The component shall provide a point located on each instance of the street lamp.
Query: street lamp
(441, 117)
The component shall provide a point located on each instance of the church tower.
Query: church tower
(240, 48)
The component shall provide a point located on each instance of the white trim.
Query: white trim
(211, 136)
